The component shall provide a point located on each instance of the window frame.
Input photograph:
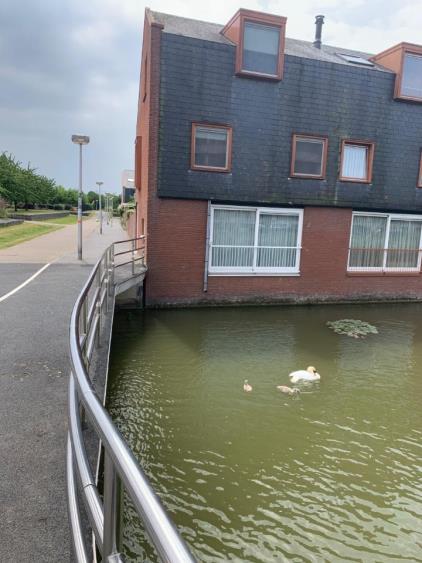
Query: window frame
(228, 128)
(369, 161)
(416, 51)
(266, 20)
(419, 180)
(299, 136)
(256, 270)
(385, 269)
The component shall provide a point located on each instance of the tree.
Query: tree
(92, 196)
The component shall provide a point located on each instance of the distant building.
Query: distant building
(128, 185)
(275, 169)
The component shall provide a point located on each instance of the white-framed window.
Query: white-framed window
(385, 243)
(255, 240)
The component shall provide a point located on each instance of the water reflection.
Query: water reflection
(333, 475)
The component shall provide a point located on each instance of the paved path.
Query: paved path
(50, 246)
(34, 369)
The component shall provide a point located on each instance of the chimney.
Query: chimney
(319, 22)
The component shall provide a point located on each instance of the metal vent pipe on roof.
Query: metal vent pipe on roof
(319, 22)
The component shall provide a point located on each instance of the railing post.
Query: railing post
(110, 551)
(111, 270)
(98, 305)
(133, 256)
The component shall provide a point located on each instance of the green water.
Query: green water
(331, 475)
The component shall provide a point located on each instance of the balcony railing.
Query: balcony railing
(384, 260)
(121, 469)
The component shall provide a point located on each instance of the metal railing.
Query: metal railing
(385, 260)
(120, 465)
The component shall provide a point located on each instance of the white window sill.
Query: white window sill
(255, 274)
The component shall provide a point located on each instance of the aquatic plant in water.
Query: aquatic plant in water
(352, 327)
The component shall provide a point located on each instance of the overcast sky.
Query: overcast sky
(72, 66)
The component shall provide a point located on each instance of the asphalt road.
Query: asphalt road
(34, 371)
(12, 275)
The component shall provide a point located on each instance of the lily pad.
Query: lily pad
(352, 327)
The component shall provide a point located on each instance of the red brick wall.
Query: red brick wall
(147, 126)
(177, 254)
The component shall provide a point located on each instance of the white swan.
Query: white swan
(310, 374)
(247, 387)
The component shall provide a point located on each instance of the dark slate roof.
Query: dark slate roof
(208, 31)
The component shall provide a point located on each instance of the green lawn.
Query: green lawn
(9, 236)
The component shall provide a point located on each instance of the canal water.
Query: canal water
(333, 474)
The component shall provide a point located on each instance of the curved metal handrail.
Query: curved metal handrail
(120, 465)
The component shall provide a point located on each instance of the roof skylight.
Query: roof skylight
(355, 59)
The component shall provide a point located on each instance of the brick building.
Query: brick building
(273, 169)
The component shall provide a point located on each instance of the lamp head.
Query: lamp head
(80, 139)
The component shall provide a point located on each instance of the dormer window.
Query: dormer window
(411, 82)
(259, 39)
(420, 172)
(260, 49)
(405, 60)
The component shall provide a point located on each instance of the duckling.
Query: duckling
(247, 387)
(288, 390)
(310, 374)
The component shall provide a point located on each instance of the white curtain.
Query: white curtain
(354, 163)
(233, 238)
(371, 237)
(277, 231)
(403, 244)
(367, 242)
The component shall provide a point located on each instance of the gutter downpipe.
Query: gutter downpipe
(207, 248)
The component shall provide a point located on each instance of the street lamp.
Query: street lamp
(80, 140)
(99, 184)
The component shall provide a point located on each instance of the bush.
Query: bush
(67, 206)
(58, 207)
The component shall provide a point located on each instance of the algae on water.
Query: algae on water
(352, 327)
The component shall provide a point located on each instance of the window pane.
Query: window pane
(354, 163)
(211, 147)
(260, 48)
(233, 238)
(403, 244)
(412, 76)
(308, 158)
(277, 231)
(368, 240)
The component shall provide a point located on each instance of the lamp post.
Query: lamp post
(100, 209)
(80, 140)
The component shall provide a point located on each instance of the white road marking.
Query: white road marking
(26, 282)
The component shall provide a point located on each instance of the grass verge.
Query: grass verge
(9, 236)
